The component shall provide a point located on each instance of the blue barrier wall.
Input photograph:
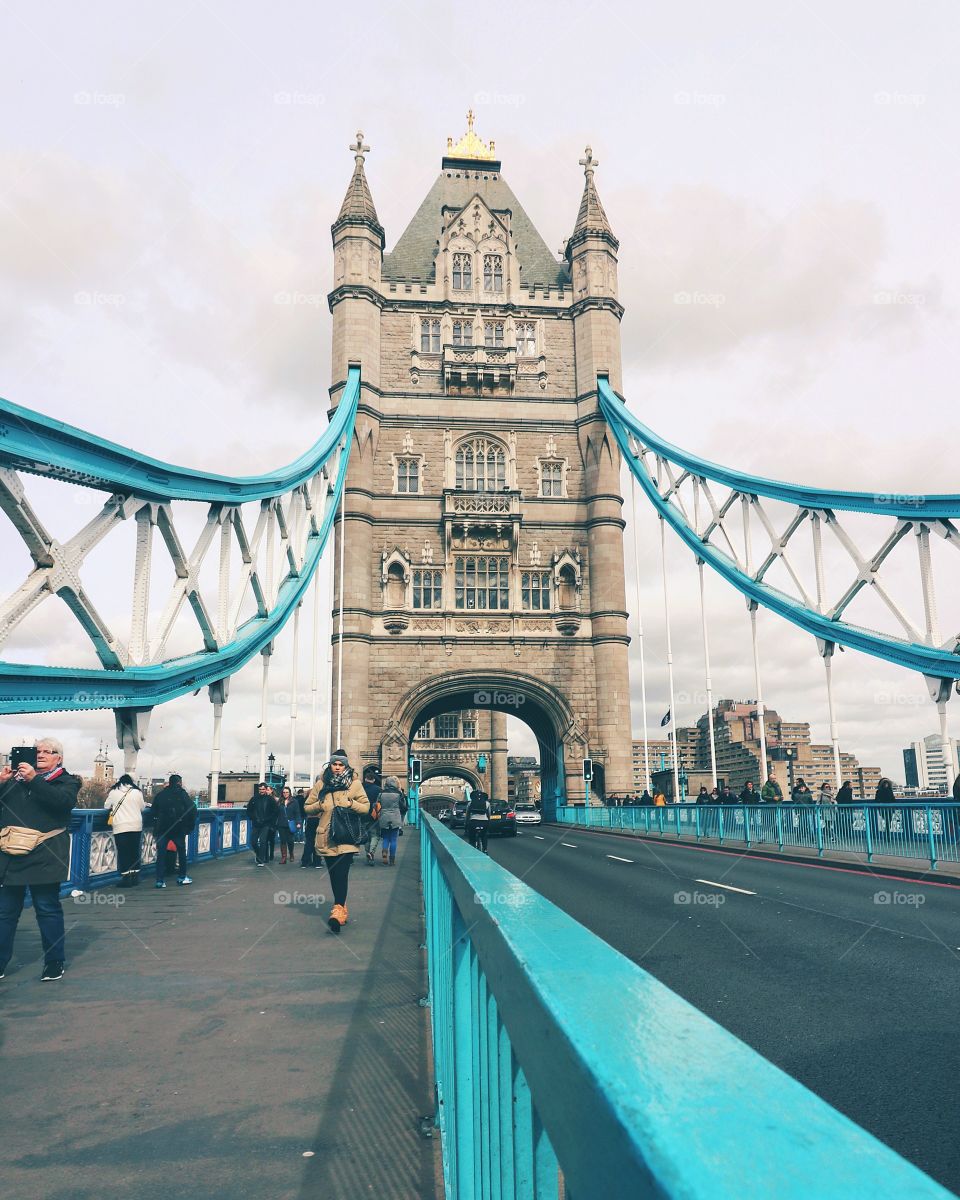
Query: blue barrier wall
(929, 833)
(562, 1068)
(93, 853)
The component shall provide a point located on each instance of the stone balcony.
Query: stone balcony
(474, 520)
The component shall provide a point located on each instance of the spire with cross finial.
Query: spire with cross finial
(358, 203)
(591, 218)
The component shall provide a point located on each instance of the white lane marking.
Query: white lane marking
(617, 858)
(729, 887)
(539, 837)
(568, 845)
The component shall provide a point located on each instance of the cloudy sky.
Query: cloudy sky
(168, 176)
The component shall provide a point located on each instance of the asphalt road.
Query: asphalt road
(847, 980)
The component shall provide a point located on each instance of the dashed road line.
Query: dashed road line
(617, 858)
(568, 845)
(727, 887)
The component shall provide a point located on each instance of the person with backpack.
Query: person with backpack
(393, 807)
(340, 802)
(174, 816)
(262, 813)
(478, 820)
(371, 785)
(125, 805)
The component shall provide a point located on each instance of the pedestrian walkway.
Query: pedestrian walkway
(217, 1041)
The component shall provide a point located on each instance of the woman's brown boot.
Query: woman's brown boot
(386, 858)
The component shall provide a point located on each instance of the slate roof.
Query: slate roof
(358, 202)
(591, 216)
(413, 256)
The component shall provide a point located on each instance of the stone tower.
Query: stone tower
(483, 530)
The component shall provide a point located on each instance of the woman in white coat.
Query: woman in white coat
(125, 801)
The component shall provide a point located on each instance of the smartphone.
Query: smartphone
(23, 754)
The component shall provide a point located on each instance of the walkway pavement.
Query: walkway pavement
(217, 1041)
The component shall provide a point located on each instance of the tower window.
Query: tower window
(427, 589)
(463, 333)
(526, 339)
(492, 273)
(551, 478)
(448, 725)
(408, 476)
(493, 333)
(481, 466)
(429, 337)
(469, 727)
(462, 272)
(535, 589)
(482, 582)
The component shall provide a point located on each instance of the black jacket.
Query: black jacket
(44, 805)
(173, 813)
(262, 811)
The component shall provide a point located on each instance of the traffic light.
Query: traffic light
(588, 770)
(482, 763)
(416, 770)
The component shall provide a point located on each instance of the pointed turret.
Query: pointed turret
(591, 218)
(358, 207)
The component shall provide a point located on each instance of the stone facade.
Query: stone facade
(483, 553)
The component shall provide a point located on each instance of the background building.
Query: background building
(924, 767)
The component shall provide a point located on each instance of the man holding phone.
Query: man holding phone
(36, 797)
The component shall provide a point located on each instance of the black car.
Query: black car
(503, 819)
(458, 815)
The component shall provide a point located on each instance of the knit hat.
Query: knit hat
(392, 783)
(340, 755)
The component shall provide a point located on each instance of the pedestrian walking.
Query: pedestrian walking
(478, 820)
(805, 816)
(772, 792)
(371, 785)
(392, 812)
(309, 857)
(125, 805)
(827, 809)
(262, 814)
(287, 809)
(335, 799)
(36, 796)
(845, 793)
(174, 815)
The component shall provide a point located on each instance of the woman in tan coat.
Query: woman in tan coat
(338, 786)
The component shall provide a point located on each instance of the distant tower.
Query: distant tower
(103, 768)
(483, 534)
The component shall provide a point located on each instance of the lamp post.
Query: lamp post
(271, 759)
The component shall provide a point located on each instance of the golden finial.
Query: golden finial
(471, 145)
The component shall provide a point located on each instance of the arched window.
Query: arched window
(481, 466)
(492, 273)
(463, 333)
(462, 272)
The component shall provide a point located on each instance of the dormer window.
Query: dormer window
(493, 333)
(462, 272)
(463, 333)
(492, 273)
(430, 337)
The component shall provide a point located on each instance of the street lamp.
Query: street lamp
(271, 759)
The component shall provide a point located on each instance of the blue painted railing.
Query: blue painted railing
(564, 1069)
(925, 832)
(93, 855)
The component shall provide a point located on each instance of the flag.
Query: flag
(666, 719)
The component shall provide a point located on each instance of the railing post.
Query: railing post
(507, 1131)
(869, 835)
(461, 1115)
(697, 819)
(677, 819)
(933, 847)
(779, 820)
(818, 823)
(746, 825)
(720, 823)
